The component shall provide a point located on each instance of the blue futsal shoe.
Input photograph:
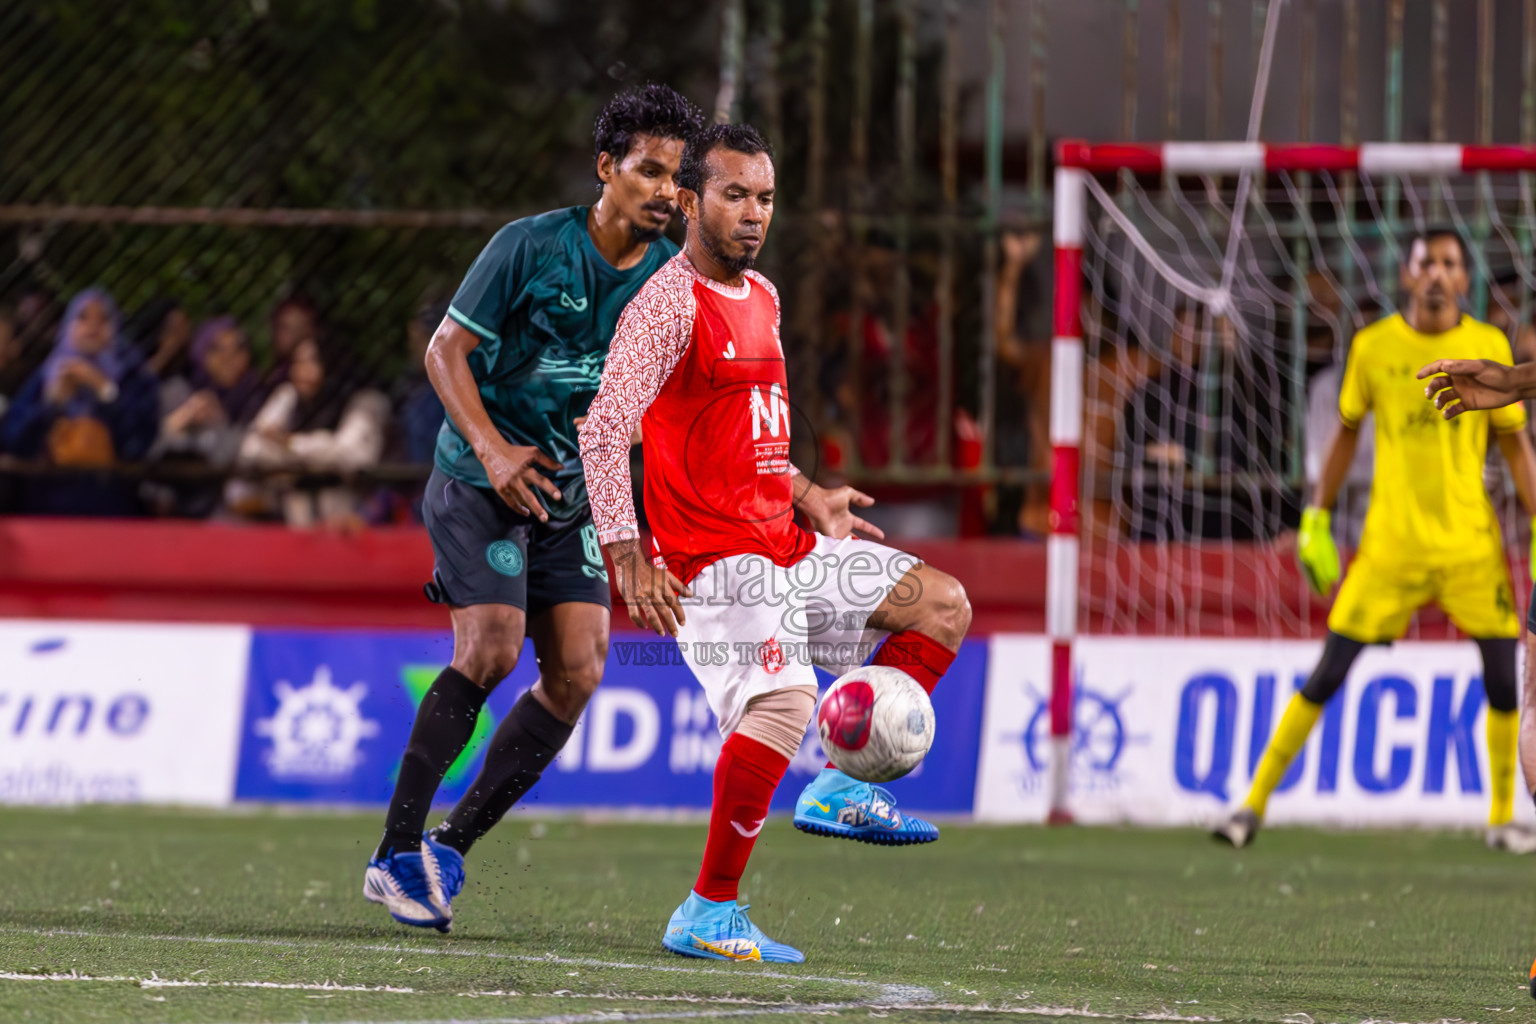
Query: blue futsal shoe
(722, 931)
(402, 884)
(445, 872)
(842, 807)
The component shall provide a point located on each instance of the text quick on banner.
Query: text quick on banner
(328, 713)
(116, 713)
(1169, 731)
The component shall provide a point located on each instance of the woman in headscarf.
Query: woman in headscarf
(206, 426)
(91, 405)
(310, 425)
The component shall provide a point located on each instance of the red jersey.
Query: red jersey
(702, 363)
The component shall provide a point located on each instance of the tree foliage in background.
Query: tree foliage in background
(349, 104)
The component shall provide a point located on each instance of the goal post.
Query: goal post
(1229, 272)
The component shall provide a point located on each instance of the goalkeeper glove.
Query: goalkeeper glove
(1533, 549)
(1315, 550)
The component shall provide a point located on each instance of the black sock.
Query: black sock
(444, 722)
(524, 744)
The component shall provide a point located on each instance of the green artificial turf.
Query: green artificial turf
(561, 921)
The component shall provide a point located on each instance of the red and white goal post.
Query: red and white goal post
(1149, 274)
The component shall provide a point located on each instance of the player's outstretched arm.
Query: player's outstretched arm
(513, 470)
(830, 512)
(1463, 385)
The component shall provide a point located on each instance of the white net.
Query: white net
(1211, 383)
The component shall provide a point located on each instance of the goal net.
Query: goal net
(1202, 325)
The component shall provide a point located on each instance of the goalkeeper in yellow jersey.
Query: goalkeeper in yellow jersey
(1430, 534)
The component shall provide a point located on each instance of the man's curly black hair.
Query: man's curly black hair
(650, 109)
(693, 172)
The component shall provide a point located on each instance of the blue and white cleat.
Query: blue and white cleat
(401, 883)
(842, 807)
(445, 873)
(722, 931)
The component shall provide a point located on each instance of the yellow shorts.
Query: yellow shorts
(1379, 597)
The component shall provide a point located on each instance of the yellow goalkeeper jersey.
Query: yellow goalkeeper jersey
(1428, 503)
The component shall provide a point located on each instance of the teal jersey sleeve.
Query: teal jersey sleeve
(492, 290)
(544, 303)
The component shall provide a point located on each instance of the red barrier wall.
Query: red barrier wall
(269, 575)
(163, 570)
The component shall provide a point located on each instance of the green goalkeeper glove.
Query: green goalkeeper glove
(1316, 551)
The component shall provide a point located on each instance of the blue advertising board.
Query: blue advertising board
(327, 714)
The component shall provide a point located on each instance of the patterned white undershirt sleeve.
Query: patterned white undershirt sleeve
(778, 319)
(652, 335)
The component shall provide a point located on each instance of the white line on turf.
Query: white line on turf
(895, 993)
(814, 1009)
(748, 1007)
(833, 1009)
(156, 982)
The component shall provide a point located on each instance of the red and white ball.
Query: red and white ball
(875, 723)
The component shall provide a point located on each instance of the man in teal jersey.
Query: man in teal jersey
(516, 362)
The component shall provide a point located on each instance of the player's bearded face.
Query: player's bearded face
(736, 208)
(715, 233)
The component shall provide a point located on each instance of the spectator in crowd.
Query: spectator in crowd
(33, 322)
(1117, 366)
(10, 350)
(294, 320)
(91, 405)
(875, 340)
(10, 355)
(309, 426)
(160, 331)
(868, 339)
(419, 412)
(1205, 436)
(1024, 428)
(207, 418)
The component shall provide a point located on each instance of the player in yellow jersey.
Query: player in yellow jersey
(1430, 534)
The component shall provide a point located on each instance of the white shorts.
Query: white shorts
(754, 627)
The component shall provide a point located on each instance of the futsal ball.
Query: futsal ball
(875, 723)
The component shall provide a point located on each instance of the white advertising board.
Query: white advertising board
(1168, 732)
(120, 713)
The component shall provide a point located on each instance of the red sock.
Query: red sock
(918, 655)
(746, 775)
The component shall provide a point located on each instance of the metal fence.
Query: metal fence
(231, 154)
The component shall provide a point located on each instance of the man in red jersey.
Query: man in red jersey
(696, 362)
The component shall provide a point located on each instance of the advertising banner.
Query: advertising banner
(119, 712)
(1169, 732)
(327, 715)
